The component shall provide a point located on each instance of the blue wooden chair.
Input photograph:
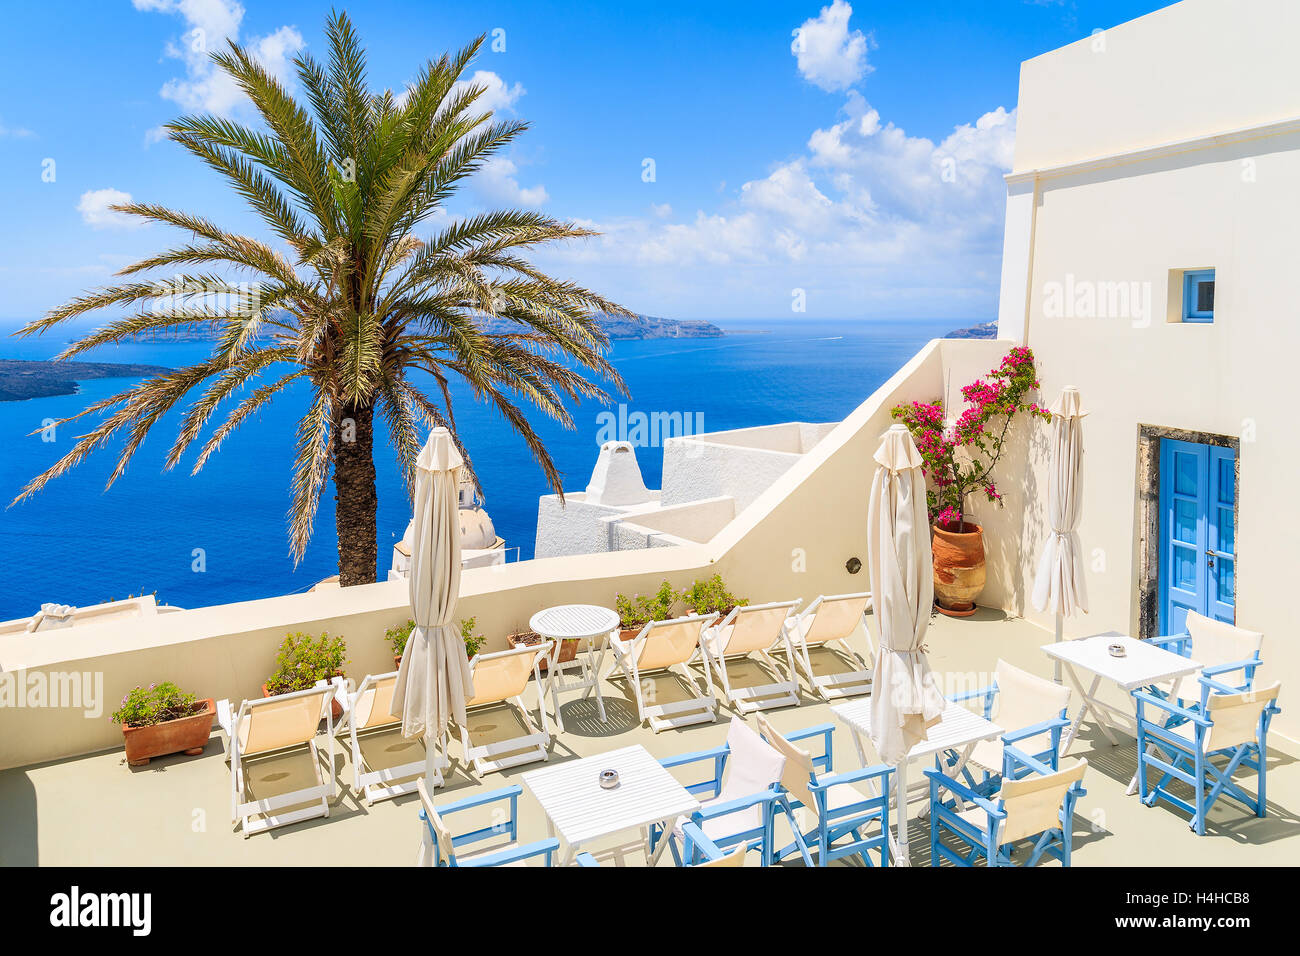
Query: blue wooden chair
(440, 847)
(1035, 801)
(1033, 711)
(823, 808)
(1228, 655)
(1182, 743)
(741, 796)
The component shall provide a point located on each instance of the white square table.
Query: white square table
(578, 810)
(1143, 664)
(958, 729)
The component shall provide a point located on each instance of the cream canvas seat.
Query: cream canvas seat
(275, 728)
(748, 633)
(1018, 702)
(499, 680)
(830, 622)
(1039, 803)
(1227, 653)
(371, 726)
(660, 647)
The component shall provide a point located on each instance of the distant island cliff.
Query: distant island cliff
(21, 379)
(637, 327)
(987, 330)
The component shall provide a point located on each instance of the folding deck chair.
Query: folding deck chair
(500, 679)
(1205, 747)
(661, 646)
(1034, 801)
(367, 719)
(833, 620)
(273, 728)
(440, 847)
(746, 633)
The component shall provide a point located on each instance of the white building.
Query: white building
(708, 479)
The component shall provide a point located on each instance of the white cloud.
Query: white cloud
(208, 25)
(496, 95)
(496, 181)
(869, 221)
(14, 132)
(827, 52)
(94, 210)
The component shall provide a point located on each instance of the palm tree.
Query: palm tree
(356, 302)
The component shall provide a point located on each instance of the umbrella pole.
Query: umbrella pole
(432, 778)
(1060, 628)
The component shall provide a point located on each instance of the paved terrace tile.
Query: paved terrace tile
(96, 810)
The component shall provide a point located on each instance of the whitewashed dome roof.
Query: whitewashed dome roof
(476, 530)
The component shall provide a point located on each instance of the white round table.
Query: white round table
(581, 622)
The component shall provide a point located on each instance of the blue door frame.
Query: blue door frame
(1198, 561)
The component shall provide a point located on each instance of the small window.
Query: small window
(1198, 296)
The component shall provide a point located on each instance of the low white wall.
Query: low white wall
(696, 521)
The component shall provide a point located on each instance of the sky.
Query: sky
(740, 160)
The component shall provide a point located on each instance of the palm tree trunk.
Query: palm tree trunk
(354, 495)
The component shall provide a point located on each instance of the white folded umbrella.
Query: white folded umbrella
(905, 700)
(433, 681)
(1059, 584)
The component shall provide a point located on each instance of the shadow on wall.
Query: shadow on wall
(1014, 533)
(18, 845)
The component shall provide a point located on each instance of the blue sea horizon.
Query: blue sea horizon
(75, 543)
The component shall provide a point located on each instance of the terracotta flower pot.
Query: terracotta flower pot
(336, 709)
(183, 735)
(568, 649)
(958, 568)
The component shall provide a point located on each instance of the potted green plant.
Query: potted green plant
(637, 611)
(522, 636)
(302, 661)
(397, 636)
(472, 641)
(959, 461)
(162, 719)
(711, 596)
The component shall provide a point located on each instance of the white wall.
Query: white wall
(1234, 207)
(1191, 69)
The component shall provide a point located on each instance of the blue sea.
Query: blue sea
(75, 543)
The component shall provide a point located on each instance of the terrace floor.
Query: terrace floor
(96, 810)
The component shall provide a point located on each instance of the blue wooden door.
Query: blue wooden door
(1198, 491)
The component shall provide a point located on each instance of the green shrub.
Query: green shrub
(711, 595)
(472, 641)
(639, 609)
(303, 660)
(146, 706)
(398, 635)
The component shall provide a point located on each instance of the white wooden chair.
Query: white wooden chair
(368, 716)
(272, 727)
(833, 620)
(746, 633)
(661, 646)
(500, 679)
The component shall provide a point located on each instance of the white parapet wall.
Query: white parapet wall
(797, 540)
